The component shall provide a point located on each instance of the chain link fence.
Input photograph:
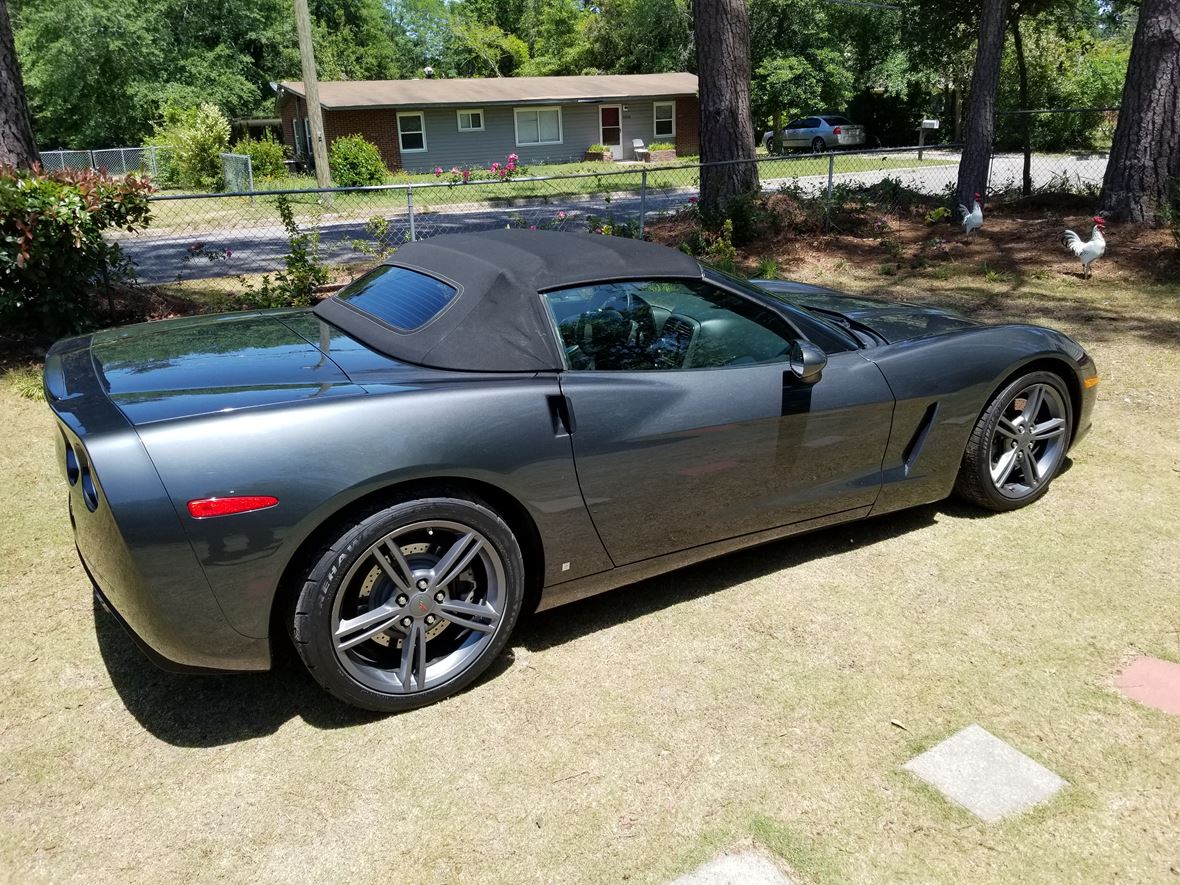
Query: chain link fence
(237, 173)
(222, 241)
(116, 161)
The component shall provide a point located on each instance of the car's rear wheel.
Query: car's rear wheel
(1018, 444)
(818, 145)
(411, 604)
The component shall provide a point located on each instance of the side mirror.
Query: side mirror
(807, 361)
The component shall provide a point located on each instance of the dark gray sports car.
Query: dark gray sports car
(491, 423)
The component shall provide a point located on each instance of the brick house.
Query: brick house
(420, 124)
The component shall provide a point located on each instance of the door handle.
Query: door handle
(562, 414)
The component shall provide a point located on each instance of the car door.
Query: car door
(791, 134)
(689, 426)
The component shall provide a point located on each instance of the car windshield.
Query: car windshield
(398, 297)
(819, 329)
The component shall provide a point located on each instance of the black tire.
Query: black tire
(818, 145)
(974, 483)
(315, 611)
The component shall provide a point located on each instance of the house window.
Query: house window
(470, 120)
(665, 114)
(537, 125)
(296, 137)
(411, 132)
(307, 149)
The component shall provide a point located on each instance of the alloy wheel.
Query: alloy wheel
(1029, 441)
(418, 607)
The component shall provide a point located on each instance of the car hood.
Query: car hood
(893, 321)
(197, 365)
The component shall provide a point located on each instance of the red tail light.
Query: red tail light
(836, 131)
(203, 508)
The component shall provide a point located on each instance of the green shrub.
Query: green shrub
(196, 138)
(26, 382)
(305, 270)
(53, 255)
(266, 155)
(597, 149)
(661, 146)
(356, 162)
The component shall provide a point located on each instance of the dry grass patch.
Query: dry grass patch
(635, 735)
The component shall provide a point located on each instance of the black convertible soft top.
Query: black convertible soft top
(497, 322)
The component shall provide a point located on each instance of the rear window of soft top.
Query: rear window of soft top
(399, 297)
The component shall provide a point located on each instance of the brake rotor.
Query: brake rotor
(418, 556)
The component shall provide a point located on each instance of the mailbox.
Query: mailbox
(929, 124)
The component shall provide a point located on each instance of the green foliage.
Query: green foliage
(382, 242)
(53, 255)
(628, 229)
(26, 382)
(640, 36)
(305, 269)
(767, 269)
(937, 215)
(356, 162)
(661, 146)
(195, 137)
(266, 155)
(597, 149)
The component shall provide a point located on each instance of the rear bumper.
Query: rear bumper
(150, 653)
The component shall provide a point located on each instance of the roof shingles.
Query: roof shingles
(495, 90)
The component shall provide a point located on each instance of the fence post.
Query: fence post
(153, 170)
(250, 176)
(642, 200)
(91, 159)
(410, 210)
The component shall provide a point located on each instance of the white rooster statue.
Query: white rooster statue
(1089, 250)
(973, 219)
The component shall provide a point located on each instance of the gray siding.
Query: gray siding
(448, 147)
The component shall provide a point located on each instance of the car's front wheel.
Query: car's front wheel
(1018, 444)
(411, 604)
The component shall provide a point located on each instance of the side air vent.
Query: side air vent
(910, 456)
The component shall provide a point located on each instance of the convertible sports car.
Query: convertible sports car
(491, 423)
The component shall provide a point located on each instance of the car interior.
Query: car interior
(665, 324)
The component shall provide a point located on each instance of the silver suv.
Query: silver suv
(819, 134)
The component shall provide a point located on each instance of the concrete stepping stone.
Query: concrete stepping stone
(747, 867)
(1153, 682)
(987, 776)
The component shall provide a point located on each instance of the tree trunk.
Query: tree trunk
(727, 130)
(1146, 149)
(17, 147)
(1025, 118)
(981, 110)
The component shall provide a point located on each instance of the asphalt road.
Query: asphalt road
(163, 256)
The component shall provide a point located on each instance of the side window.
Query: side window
(811, 123)
(654, 325)
(795, 124)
